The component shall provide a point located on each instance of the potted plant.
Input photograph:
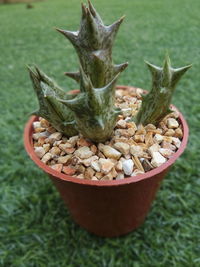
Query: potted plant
(105, 147)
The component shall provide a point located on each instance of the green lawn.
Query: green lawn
(35, 227)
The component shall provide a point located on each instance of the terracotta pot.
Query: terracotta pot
(107, 208)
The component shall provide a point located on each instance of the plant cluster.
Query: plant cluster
(92, 112)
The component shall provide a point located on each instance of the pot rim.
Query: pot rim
(28, 143)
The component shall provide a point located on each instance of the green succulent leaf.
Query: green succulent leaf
(156, 104)
(94, 110)
(93, 44)
(50, 108)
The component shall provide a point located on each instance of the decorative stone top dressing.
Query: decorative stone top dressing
(130, 151)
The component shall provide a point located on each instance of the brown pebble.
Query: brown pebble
(131, 124)
(137, 163)
(46, 147)
(62, 153)
(138, 138)
(41, 140)
(166, 152)
(72, 140)
(87, 162)
(65, 146)
(157, 131)
(163, 126)
(124, 148)
(99, 175)
(80, 176)
(39, 130)
(178, 133)
(83, 142)
(93, 148)
(44, 123)
(75, 160)
(130, 132)
(170, 132)
(55, 136)
(113, 172)
(141, 130)
(108, 176)
(68, 170)
(89, 173)
(55, 151)
(168, 139)
(106, 165)
(35, 144)
(80, 168)
(52, 162)
(51, 129)
(150, 127)
(136, 151)
(57, 167)
(121, 124)
(46, 157)
(57, 143)
(70, 150)
(147, 165)
(118, 166)
(64, 159)
(168, 145)
(149, 138)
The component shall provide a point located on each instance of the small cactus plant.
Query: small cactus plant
(156, 104)
(92, 112)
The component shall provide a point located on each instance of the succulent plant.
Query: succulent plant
(92, 112)
(156, 104)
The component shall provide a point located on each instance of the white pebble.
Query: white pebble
(72, 140)
(122, 147)
(172, 123)
(137, 172)
(120, 176)
(95, 165)
(121, 124)
(46, 157)
(36, 124)
(83, 152)
(157, 159)
(136, 151)
(87, 162)
(158, 138)
(166, 152)
(176, 141)
(55, 137)
(40, 151)
(153, 148)
(110, 152)
(127, 166)
(106, 165)
(36, 136)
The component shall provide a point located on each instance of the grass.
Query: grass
(35, 228)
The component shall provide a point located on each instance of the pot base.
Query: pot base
(110, 211)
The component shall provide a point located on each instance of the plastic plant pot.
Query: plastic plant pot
(107, 208)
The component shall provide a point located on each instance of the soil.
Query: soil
(131, 150)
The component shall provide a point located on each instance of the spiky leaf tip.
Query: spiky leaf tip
(156, 104)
